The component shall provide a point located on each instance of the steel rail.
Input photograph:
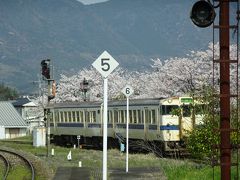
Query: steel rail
(7, 165)
(30, 165)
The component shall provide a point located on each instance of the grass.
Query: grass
(18, 172)
(169, 168)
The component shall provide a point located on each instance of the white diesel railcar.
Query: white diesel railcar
(162, 121)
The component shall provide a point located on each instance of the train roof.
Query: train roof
(83, 104)
(111, 103)
(135, 102)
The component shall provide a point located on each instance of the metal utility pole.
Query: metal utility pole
(225, 146)
(203, 15)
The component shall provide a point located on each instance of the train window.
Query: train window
(51, 117)
(115, 116)
(186, 111)
(65, 117)
(73, 116)
(86, 116)
(77, 116)
(135, 116)
(93, 116)
(122, 116)
(146, 115)
(139, 116)
(70, 116)
(90, 117)
(110, 117)
(167, 110)
(130, 116)
(56, 115)
(61, 116)
(153, 117)
(81, 116)
(119, 117)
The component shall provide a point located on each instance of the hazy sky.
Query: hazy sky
(91, 1)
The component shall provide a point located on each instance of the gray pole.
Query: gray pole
(48, 120)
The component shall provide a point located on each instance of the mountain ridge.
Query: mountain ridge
(73, 35)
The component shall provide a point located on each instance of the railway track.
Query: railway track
(7, 166)
(12, 160)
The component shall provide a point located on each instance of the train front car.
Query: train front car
(170, 124)
(179, 115)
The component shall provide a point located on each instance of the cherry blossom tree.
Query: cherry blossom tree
(68, 88)
(170, 77)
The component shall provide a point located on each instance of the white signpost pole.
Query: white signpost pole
(105, 64)
(105, 129)
(127, 91)
(127, 134)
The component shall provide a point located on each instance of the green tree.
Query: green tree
(203, 137)
(7, 93)
(202, 141)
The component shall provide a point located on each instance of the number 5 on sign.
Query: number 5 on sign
(105, 64)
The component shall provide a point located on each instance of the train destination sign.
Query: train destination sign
(105, 64)
(186, 100)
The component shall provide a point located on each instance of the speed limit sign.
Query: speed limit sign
(127, 90)
(105, 64)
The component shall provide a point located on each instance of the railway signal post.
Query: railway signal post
(47, 75)
(127, 91)
(105, 64)
(203, 15)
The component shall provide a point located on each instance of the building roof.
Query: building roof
(9, 117)
(20, 102)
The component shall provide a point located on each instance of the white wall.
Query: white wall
(19, 133)
(39, 136)
(2, 132)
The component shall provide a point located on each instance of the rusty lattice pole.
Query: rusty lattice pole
(225, 146)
